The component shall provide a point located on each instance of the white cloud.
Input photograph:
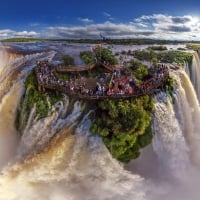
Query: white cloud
(7, 33)
(25, 34)
(85, 20)
(109, 29)
(171, 27)
(155, 26)
(119, 30)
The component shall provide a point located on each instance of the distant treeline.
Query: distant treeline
(24, 40)
(108, 41)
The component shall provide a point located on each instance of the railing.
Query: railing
(74, 68)
(144, 88)
(110, 68)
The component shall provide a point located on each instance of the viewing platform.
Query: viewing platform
(74, 68)
(114, 85)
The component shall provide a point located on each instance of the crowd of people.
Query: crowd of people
(119, 82)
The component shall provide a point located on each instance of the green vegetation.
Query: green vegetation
(145, 55)
(178, 57)
(157, 48)
(175, 56)
(63, 76)
(194, 47)
(142, 55)
(68, 60)
(131, 41)
(125, 126)
(169, 86)
(139, 70)
(104, 54)
(34, 97)
(24, 40)
(87, 57)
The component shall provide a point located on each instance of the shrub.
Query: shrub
(124, 126)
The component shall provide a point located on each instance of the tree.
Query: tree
(122, 125)
(87, 57)
(104, 54)
(154, 60)
(68, 60)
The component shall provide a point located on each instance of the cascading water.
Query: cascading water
(51, 163)
(13, 69)
(168, 135)
(57, 158)
(176, 141)
(71, 167)
(8, 134)
(4, 59)
(195, 73)
(188, 112)
(186, 68)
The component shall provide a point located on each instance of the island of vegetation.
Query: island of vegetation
(123, 103)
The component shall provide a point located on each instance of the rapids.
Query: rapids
(57, 158)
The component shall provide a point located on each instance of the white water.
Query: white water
(177, 140)
(58, 159)
(70, 166)
(8, 134)
(169, 142)
(171, 165)
(195, 73)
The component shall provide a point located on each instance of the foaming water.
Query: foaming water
(176, 143)
(39, 134)
(4, 59)
(14, 68)
(72, 167)
(57, 158)
(188, 112)
(168, 135)
(195, 73)
(8, 133)
(170, 165)
(186, 67)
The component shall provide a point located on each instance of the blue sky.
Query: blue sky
(172, 19)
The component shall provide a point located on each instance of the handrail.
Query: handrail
(108, 67)
(74, 68)
(146, 88)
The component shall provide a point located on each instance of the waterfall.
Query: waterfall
(180, 121)
(72, 167)
(4, 58)
(169, 143)
(195, 73)
(188, 112)
(8, 133)
(176, 142)
(37, 136)
(57, 158)
(15, 69)
(186, 68)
